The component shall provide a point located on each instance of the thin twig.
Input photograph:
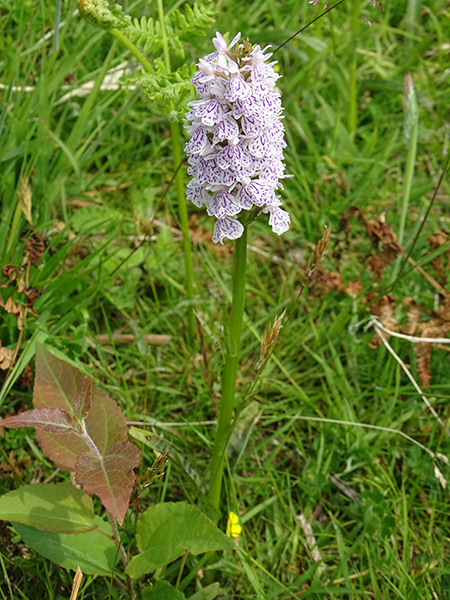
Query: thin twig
(411, 378)
(411, 338)
(306, 26)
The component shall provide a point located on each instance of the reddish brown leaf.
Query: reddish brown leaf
(56, 385)
(53, 420)
(110, 476)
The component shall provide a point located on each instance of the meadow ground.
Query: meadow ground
(100, 168)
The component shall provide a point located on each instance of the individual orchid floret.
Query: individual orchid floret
(235, 151)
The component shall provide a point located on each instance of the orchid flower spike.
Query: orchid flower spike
(235, 151)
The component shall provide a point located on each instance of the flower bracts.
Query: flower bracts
(237, 138)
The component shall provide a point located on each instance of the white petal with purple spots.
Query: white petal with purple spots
(223, 205)
(197, 142)
(279, 220)
(227, 129)
(235, 151)
(237, 88)
(227, 228)
(210, 113)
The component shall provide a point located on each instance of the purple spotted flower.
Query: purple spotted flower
(235, 151)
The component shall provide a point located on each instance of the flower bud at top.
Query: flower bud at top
(235, 151)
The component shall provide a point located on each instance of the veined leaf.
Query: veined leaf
(56, 385)
(166, 530)
(94, 552)
(57, 507)
(110, 476)
(53, 420)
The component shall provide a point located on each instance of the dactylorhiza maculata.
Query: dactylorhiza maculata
(237, 138)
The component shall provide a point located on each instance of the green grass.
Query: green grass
(392, 539)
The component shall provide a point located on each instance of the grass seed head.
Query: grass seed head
(270, 339)
(319, 250)
(25, 199)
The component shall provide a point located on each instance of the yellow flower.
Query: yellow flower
(233, 527)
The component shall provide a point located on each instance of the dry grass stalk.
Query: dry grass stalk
(270, 339)
(76, 584)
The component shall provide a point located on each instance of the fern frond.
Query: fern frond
(193, 23)
(164, 87)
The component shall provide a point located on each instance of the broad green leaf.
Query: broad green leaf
(94, 552)
(166, 530)
(110, 476)
(162, 590)
(56, 385)
(57, 507)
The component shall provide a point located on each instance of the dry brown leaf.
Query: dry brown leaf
(423, 354)
(436, 240)
(21, 284)
(10, 271)
(332, 281)
(328, 280)
(15, 309)
(381, 230)
(384, 309)
(444, 313)
(35, 247)
(354, 288)
(413, 316)
(6, 358)
(378, 262)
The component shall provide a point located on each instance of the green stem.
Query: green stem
(184, 222)
(407, 187)
(409, 176)
(132, 48)
(230, 371)
(176, 152)
(353, 108)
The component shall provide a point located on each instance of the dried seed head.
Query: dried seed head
(25, 199)
(319, 250)
(270, 339)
